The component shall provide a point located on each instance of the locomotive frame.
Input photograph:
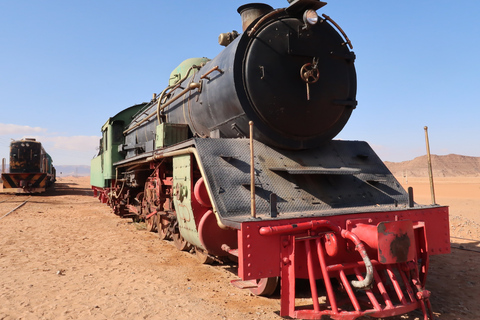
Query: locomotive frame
(321, 209)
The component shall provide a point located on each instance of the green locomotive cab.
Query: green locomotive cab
(101, 167)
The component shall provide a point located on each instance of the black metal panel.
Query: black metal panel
(370, 186)
(26, 156)
(142, 138)
(278, 93)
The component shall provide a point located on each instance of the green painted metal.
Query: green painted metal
(101, 167)
(96, 174)
(170, 133)
(182, 69)
(182, 199)
(49, 168)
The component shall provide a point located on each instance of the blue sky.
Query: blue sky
(66, 66)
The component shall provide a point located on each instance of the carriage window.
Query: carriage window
(105, 142)
(117, 132)
(100, 147)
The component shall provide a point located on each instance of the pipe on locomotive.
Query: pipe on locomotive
(160, 98)
(313, 225)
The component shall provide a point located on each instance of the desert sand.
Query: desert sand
(64, 255)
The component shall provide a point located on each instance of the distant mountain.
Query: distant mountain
(452, 165)
(76, 171)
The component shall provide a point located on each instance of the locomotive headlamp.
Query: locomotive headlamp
(310, 17)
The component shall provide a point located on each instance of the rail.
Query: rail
(16, 208)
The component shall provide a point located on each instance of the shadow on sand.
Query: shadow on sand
(70, 189)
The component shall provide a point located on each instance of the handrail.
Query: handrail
(263, 19)
(159, 100)
(339, 29)
(216, 68)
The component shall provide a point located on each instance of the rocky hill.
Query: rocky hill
(452, 165)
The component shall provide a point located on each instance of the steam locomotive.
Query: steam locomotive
(31, 168)
(235, 159)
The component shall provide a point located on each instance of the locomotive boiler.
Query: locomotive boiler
(31, 168)
(235, 160)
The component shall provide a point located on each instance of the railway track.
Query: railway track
(10, 205)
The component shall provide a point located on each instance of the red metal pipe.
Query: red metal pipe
(311, 277)
(349, 290)
(369, 292)
(299, 227)
(383, 291)
(408, 287)
(317, 224)
(396, 286)
(326, 277)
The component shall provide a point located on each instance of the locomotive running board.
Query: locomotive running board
(336, 178)
(319, 170)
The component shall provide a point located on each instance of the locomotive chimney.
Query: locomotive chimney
(251, 11)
